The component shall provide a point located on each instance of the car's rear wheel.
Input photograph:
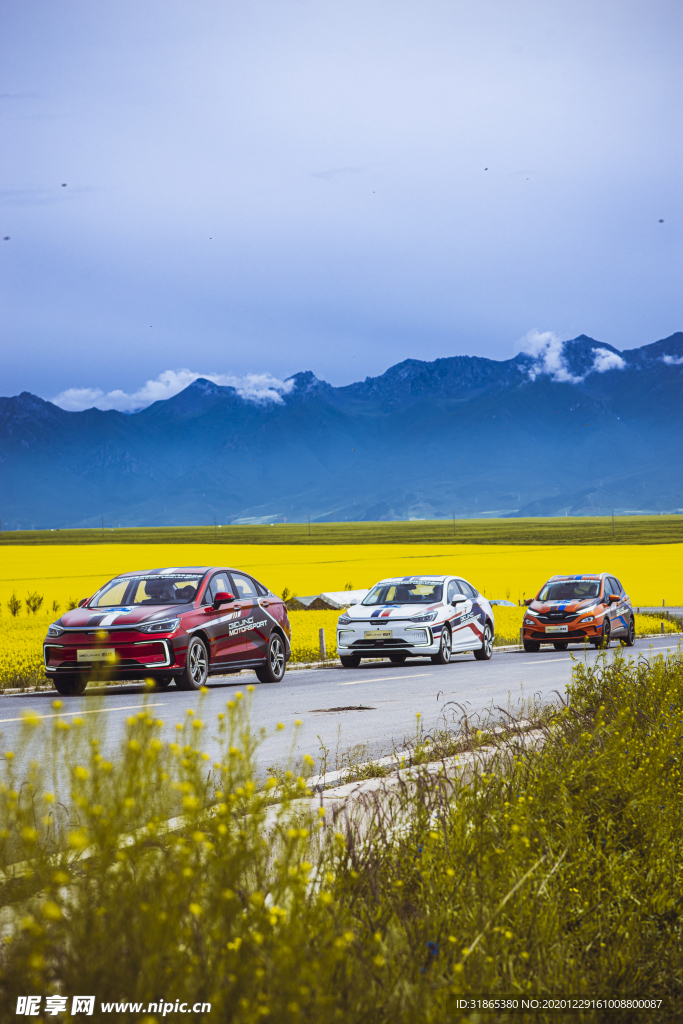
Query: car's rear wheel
(444, 655)
(630, 638)
(196, 669)
(276, 662)
(398, 658)
(71, 685)
(561, 645)
(531, 646)
(350, 660)
(486, 649)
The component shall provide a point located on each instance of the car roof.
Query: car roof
(581, 576)
(427, 577)
(178, 570)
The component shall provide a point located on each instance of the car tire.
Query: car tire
(444, 655)
(398, 658)
(276, 661)
(71, 685)
(196, 670)
(486, 650)
(562, 645)
(350, 660)
(630, 638)
(531, 646)
(604, 641)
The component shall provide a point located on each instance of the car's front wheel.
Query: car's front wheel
(444, 655)
(398, 658)
(630, 638)
(196, 669)
(531, 646)
(350, 660)
(276, 662)
(603, 641)
(162, 682)
(71, 685)
(486, 650)
(561, 645)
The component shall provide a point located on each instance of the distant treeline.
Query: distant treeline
(666, 529)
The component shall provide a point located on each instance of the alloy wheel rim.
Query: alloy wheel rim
(446, 644)
(488, 640)
(277, 657)
(197, 663)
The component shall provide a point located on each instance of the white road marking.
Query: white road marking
(97, 711)
(382, 679)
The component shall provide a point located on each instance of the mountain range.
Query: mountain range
(577, 428)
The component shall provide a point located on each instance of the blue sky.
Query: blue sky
(253, 188)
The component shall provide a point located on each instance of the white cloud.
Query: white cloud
(603, 360)
(255, 387)
(673, 360)
(547, 351)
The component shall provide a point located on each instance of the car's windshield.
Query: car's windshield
(570, 590)
(405, 593)
(147, 590)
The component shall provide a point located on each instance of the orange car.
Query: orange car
(590, 608)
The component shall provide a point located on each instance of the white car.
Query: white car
(416, 616)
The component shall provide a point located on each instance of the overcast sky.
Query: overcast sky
(257, 187)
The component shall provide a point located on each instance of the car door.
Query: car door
(248, 633)
(618, 620)
(460, 625)
(216, 623)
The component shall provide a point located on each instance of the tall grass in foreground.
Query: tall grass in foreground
(544, 872)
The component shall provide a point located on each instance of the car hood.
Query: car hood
(546, 607)
(129, 615)
(380, 613)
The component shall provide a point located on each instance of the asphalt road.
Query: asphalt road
(372, 708)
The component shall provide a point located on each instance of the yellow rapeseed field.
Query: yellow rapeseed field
(69, 572)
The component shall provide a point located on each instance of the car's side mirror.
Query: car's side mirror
(458, 599)
(83, 600)
(221, 598)
(528, 601)
(614, 598)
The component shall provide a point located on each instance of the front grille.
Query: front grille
(376, 644)
(549, 638)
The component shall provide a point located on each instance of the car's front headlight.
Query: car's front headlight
(587, 618)
(423, 617)
(163, 626)
(344, 620)
(54, 630)
(530, 622)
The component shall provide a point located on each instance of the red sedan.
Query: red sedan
(179, 624)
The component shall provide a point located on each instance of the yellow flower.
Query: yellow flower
(51, 911)
(195, 909)
(80, 772)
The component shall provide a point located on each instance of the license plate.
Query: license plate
(101, 654)
(378, 634)
(557, 629)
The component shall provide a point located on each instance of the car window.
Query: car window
(170, 589)
(417, 592)
(608, 587)
(219, 583)
(263, 591)
(570, 590)
(244, 587)
(466, 589)
(453, 589)
(616, 585)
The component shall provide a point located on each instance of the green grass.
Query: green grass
(547, 872)
(591, 530)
